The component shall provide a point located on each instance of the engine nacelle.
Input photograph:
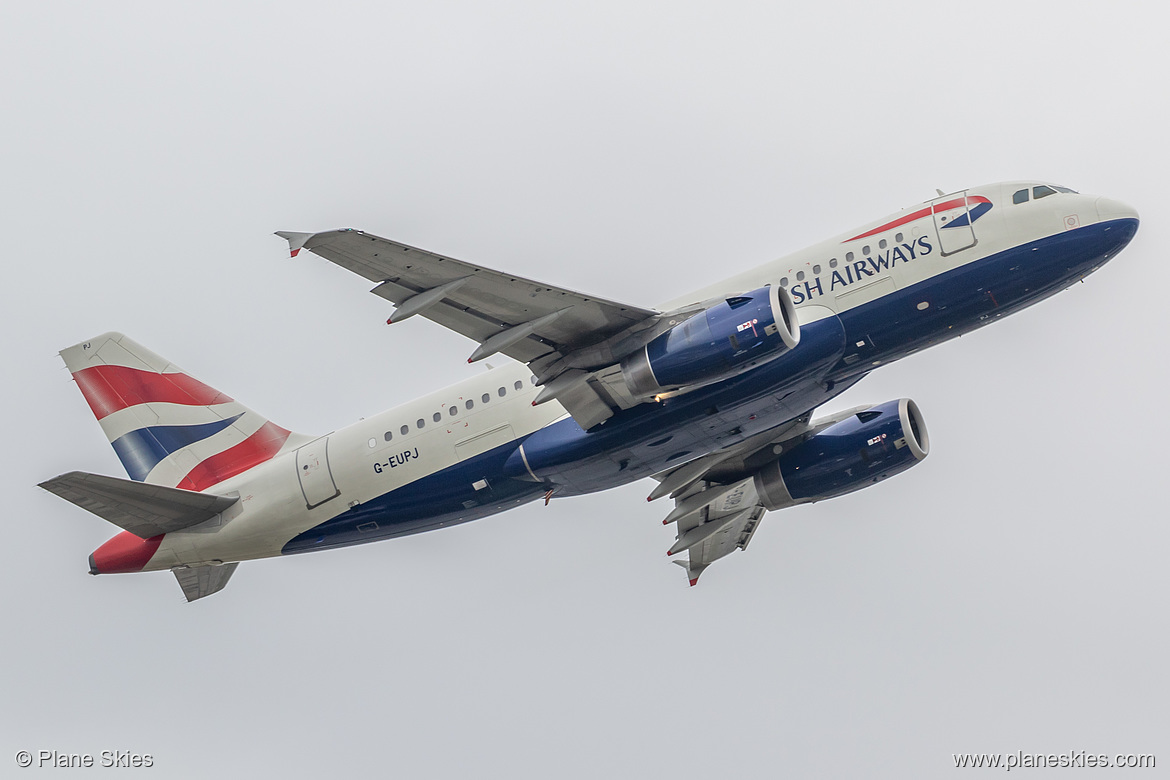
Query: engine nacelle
(721, 342)
(854, 453)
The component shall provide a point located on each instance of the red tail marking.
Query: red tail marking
(124, 553)
(256, 449)
(108, 389)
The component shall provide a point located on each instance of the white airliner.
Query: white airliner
(712, 394)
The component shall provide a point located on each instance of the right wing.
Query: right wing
(725, 524)
(716, 507)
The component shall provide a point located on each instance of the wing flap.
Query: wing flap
(725, 521)
(143, 509)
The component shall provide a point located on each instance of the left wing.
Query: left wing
(559, 333)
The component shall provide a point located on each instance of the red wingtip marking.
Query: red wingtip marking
(669, 553)
(390, 321)
(695, 580)
(294, 253)
(648, 498)
(468, 360)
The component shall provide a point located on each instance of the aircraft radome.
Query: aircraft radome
(712, 395)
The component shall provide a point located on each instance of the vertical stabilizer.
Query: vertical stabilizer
(169, 428)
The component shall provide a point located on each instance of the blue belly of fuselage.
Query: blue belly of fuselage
(650, 438)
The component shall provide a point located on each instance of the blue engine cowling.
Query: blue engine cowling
(725, 340)
(849, 455)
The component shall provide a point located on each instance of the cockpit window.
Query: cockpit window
(1043, 191)
(1065, 189)
(1021, 196)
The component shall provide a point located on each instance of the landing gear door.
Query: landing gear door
(952, 221)
(317, 483)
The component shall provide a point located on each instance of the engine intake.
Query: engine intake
(723, 341)
(852, 454)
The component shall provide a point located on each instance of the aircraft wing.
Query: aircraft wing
(716, 507)
(478, 302)
(724, 525)
(564, 336)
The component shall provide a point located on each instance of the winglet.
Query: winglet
(296, 241)
(693, 572)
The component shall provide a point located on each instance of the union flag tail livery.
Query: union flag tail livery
(711, 394)
(167, 427)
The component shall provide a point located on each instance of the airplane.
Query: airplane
(712, 395)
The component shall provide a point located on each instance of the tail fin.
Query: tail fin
(167, 427)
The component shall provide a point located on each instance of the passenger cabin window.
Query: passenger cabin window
(1021, 196)
(848, 257)
(898, 237)
(1042, 192)
(800, 276)
(389, 435)
(454, 410)
(437, 416)
(420, 423)
(502, 392)
(833, 262)
(816, 269)
(518, 384)
(485, 398)
(405, 429)
(469, 404)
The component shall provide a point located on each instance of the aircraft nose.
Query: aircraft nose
(1109, 209)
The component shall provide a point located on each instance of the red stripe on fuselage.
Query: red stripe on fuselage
(256, 449)
(950, 204)
(108, 389)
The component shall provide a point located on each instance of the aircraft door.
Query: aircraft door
(952, 222)
(317, 483)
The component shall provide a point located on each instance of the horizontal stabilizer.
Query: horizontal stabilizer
(142, 509)
(200, 581)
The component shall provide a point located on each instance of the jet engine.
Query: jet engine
(849, 455)
(725, 340)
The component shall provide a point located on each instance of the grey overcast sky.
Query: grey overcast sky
(1008, 594)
